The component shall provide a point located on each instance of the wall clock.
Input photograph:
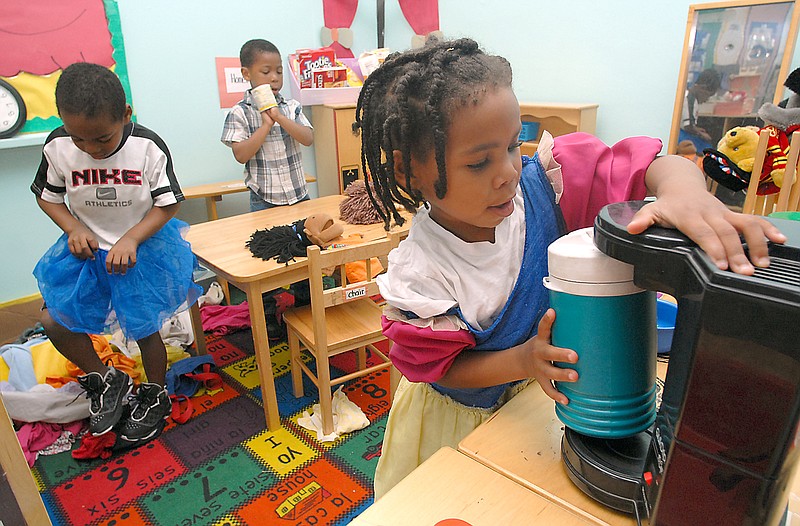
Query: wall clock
(12, 110)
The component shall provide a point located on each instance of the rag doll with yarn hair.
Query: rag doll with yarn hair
(285, 242)
(358, 208)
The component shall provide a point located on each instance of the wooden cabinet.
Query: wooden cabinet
(337, 149)
(558, 119)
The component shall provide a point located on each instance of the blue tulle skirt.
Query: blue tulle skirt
(83, 297)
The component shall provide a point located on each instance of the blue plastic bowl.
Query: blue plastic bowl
(666, 311)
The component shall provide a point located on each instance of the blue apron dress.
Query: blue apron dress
(425, 417)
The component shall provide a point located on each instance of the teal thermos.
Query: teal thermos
(611, 324)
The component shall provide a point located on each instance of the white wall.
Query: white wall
(621, 54)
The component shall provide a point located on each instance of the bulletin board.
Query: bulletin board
(40, 39)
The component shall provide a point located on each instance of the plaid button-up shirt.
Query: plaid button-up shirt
(276, 171)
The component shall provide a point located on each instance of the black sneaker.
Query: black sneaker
(106, 396)
(150, 407)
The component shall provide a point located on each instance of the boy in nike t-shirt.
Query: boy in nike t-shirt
(109, 185)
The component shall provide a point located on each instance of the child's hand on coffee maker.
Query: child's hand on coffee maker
(684, 203)
(542, 356)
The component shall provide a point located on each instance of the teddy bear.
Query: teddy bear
(739, 145)
(732, 162)
(781, 121)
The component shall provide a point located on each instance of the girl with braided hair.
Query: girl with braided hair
(466, 310)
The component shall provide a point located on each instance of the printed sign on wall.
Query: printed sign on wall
(230, 81)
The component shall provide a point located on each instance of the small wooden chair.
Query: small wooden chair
(339, 319)
(788, 199)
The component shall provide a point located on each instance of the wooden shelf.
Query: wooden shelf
(336, 148)
(558, 119)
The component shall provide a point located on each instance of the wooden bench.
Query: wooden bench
(213, 192)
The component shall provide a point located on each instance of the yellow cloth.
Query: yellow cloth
(47, 361)
(3, 370)
(421, 421)
(51, 367)
(174, 354)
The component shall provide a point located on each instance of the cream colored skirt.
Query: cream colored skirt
(421, 421)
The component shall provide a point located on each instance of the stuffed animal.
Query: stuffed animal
(781, 121)
(739, 145)
(731, 163)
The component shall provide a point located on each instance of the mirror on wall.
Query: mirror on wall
(736, 57)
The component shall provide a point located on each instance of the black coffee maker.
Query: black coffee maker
(724, 445)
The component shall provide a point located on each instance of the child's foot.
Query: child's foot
(150, 407)
(106, 396)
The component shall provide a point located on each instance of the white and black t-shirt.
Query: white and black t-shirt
(109, 195)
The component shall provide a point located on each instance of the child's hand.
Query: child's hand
(82, 243)
(684, 203)
(266, 119)
(714, 227)
(275, 114)
(543, 355)
(122, 256)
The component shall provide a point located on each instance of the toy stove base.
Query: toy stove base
(609, 470)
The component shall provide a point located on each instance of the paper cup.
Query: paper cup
(263, 97)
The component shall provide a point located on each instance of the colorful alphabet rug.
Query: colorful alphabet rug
(222, 467)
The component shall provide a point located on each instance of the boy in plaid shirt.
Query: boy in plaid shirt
(267, 142)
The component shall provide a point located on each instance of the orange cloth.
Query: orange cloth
(357, 270)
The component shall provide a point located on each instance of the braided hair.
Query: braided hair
(406, 105)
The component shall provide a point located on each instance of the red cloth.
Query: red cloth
(283, 301)
(339, 14)
(777, 157)
(224, 319)
(422, 354)
(422, 15)
(595, 174)
(95, 446)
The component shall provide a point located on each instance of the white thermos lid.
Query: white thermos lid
(577, 267)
